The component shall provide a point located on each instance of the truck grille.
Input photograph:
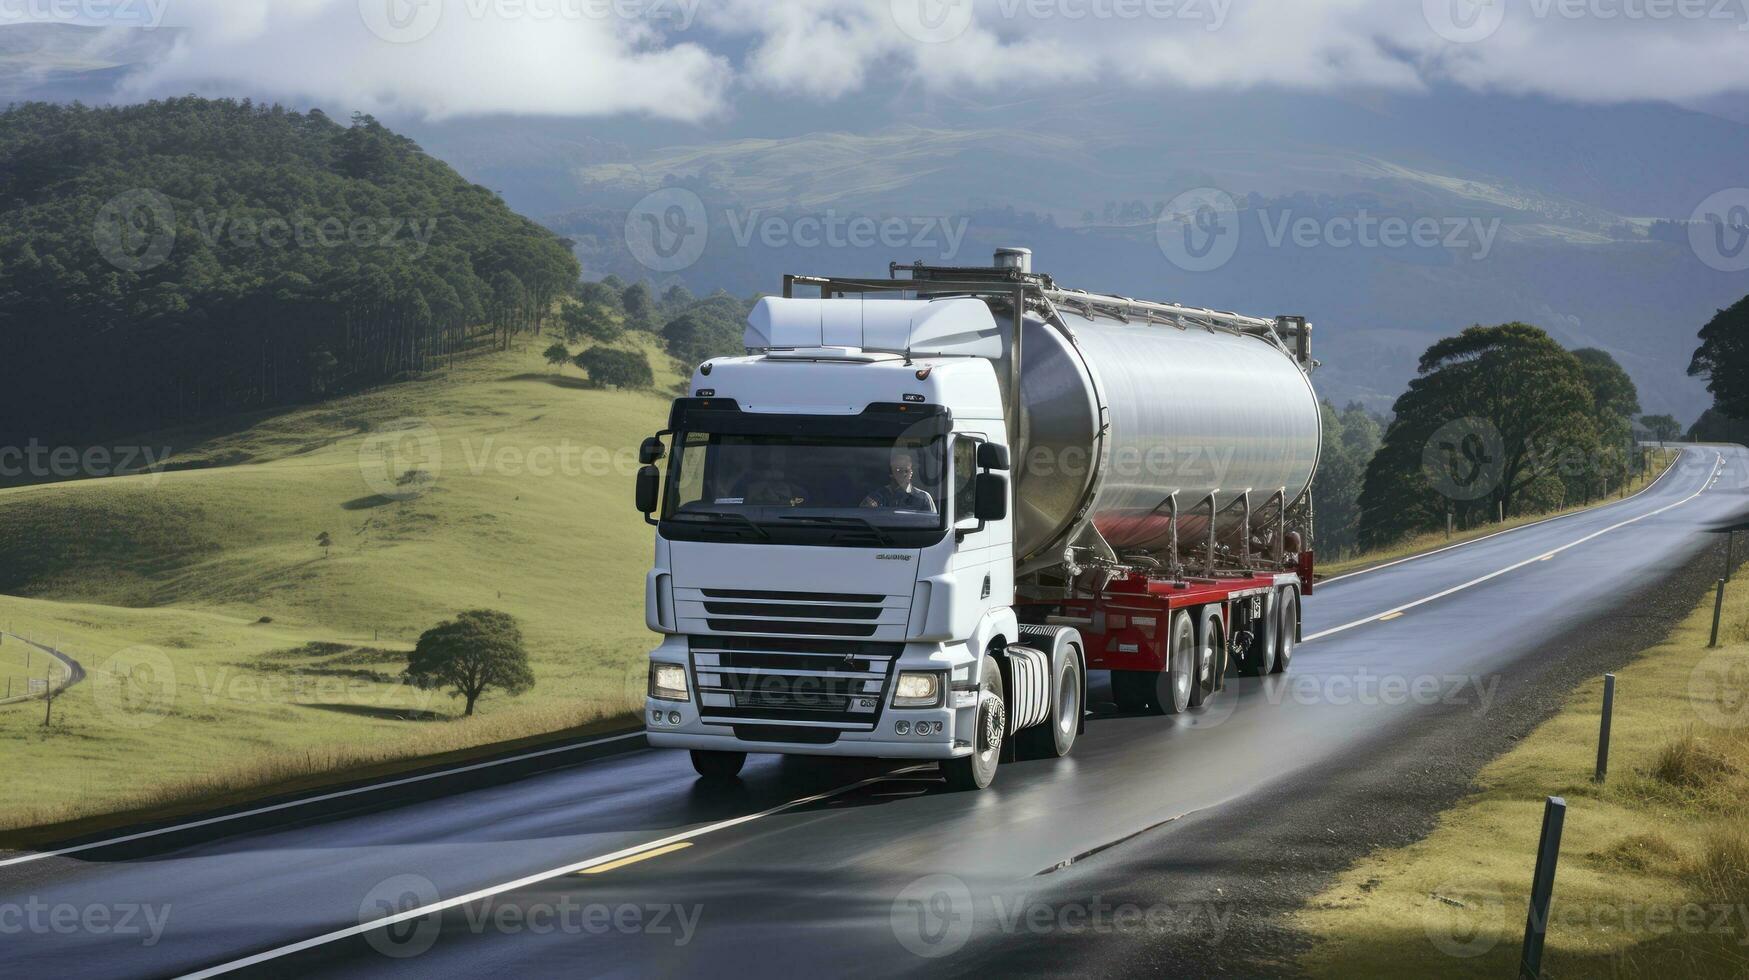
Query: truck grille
(831, 683)
(792, 613)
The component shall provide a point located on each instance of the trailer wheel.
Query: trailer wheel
(977, 770)
(718, 766)
(1209, 647)
(1174, 685)
(1259, 654)
(1287, 628)
(1055, 736)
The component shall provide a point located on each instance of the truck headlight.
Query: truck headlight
(668, 682)
(917, 689)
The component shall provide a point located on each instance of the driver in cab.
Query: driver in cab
(899, 493)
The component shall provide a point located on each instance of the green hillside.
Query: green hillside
(226, 648)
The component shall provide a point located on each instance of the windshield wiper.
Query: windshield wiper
(710, 515)
(873, 528)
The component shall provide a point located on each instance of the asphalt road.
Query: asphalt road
(627, 866)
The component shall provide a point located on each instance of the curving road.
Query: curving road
(627, 866)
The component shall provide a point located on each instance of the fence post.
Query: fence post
(1603, 730)
(1730, 548)
(1718, 607)
(1542, 889)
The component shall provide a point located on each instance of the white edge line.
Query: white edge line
(306, 801)
(1521, 527)
(1718, 463)
(526, 880)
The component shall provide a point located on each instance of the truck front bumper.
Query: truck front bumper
(881, 743)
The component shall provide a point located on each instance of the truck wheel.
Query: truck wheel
(1209, 648)
(977, 770)
(718, 766)
(1172, 686)
(1259, 658)
(1055, 736)
(1287, 628)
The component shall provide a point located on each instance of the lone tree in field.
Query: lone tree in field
(619, 368)
(325, 541)
(478, 650)
(557, 355)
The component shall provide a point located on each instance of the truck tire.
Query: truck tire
(1055, 736)
(718, 767)
(1287, 628)
(1172, 687)
(1211, 637)
(1258, 658)
(978, 770)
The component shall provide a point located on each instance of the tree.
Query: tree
(618, 368)
(1663, 427)
(1351, 437)
(639, 305)
(1723, 359)
(591, 321)
(1615, 402)
(557, 355)
(479, 650)
(322, 367)
(325, 541)
(1494, 411)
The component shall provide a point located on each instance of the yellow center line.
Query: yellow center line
(1390, 616)
(635, 858)
(1547, 556)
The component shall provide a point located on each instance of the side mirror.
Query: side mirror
(651, 451)
(992, 498)
(649, 490)
(992, 456)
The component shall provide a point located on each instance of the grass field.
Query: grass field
(1654, 868)
(1660, 461)
(226, 648)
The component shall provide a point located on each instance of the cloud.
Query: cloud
(688, 59)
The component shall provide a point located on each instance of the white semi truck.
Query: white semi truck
(909, 522)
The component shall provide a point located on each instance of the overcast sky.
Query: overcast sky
(691, 59)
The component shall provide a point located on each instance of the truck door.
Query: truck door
(978, 551)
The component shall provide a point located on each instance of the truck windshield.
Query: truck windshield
(859, 485)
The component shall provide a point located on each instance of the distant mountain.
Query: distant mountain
(64, 62)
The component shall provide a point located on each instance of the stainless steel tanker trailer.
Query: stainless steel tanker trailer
(921, 509)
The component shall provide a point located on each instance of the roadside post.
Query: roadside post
(1718, 608)
(1542, 889)
(1603, 728)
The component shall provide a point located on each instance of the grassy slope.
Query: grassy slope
(1667, 833)
(179, 568)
